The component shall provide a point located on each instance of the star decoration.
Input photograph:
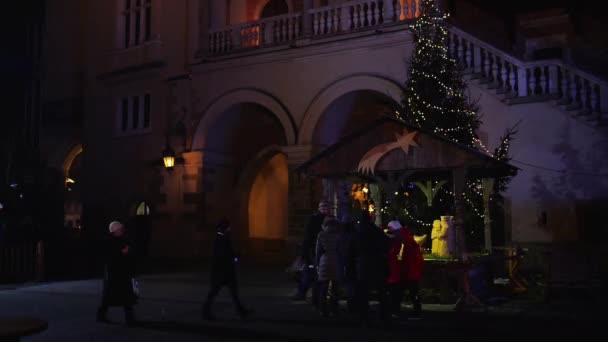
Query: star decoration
(406, 140)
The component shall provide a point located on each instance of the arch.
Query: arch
(335, 90)
(261, 4)
(246, 182)
(69, 159)
(240, 96)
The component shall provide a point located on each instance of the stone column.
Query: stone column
(303, 193)
(307, 18)
(217, 13)
(389, 11)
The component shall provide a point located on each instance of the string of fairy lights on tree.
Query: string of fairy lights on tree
(435, 99)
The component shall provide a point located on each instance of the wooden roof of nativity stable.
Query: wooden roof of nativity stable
(390, 145)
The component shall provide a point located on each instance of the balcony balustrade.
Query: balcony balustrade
(321, 22)
(516, 80)
(522, 81)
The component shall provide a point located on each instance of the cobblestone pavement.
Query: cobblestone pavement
(169, 310)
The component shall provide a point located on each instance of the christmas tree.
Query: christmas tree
(435, 93)
(435, 99)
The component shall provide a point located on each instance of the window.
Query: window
(134, 113)
(135, 121)
(137, 20)
(142, 209)
(124, 115)
(146, 110)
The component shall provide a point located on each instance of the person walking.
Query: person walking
(309, 274)
(327, 261)
(118, 276)
(406, 263)
(223, 272)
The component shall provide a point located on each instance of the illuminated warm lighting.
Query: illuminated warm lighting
(371, 208)
(365, 189)
(169, 158)
(69, 180)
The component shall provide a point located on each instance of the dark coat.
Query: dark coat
(222, 262)
(370, 251)
(313, 227)
(118, 277)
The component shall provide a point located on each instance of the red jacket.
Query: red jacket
(409, 268)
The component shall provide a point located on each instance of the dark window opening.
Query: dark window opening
(146, 110)
(148, 28)
(127, 28)
(135, 112)
(137, 26)
(125, 114)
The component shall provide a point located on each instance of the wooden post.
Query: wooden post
(377, 198)
(459, 178)
(487, 185)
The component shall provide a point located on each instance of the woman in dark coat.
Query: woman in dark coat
(118, 276)
(223, 272)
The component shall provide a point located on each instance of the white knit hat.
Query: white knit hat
(114, 226)
(394, 225)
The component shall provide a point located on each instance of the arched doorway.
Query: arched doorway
(246, 182)
(267, 206)
(72, 197)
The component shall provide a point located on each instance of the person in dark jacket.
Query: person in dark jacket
(223, 272)
(118, 276)
(347, 272)
(309, 274)
(369, 251)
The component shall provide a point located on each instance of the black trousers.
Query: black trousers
(234, 293)
(328, 287)
(397, 291)
(363, 291)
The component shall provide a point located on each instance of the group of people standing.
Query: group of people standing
(359, 261)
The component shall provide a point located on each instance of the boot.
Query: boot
(102, 315)
(244, 313)
(207, 314)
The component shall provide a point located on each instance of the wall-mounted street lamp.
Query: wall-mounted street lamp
(169, 157)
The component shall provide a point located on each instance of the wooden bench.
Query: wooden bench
(12, 329)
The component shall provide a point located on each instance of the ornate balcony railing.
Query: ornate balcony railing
(517, 80)
(522, 80)
(349, 17)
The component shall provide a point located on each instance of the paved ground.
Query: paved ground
(171, 302)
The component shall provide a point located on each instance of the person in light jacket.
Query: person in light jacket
(328, 263)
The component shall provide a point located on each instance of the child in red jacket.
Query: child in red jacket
(406, 263)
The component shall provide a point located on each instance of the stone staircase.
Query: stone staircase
(573, 91)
